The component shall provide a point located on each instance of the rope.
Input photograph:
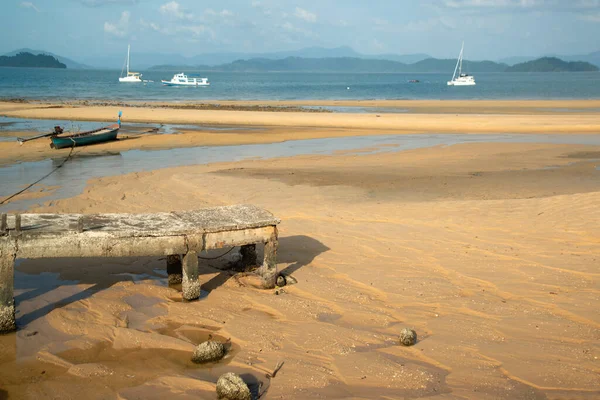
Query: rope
(42, 178)
(214, 258)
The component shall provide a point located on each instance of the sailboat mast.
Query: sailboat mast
(457, 63)
(128, 46)
(462, 48)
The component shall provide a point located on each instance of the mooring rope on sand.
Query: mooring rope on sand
(214, 258)
(41, 179)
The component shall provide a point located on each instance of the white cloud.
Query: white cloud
(154, 26)
(258, 5)
(288, 26)
(555, 5)
(173, 9)
(380, 22)
(296, 31)
(187, 32)
(222, 13)
(119, 28)
(98, 3)
(28, 4)
(341, 23)
(480, 3)
(197, 30)
(305, 15)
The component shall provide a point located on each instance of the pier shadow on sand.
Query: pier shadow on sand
(43, 277)
(298, 251)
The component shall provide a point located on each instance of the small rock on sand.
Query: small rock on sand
(231, 387)
(281, 281)
(208, 351)
(408, 337)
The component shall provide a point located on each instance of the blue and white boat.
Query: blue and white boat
(100, 135)
(183, 80)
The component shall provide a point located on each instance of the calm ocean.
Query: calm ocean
(65, 84)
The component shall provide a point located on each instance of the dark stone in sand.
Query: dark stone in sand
(281, 281)
(231, 387)
(408, 337)
(208, 351)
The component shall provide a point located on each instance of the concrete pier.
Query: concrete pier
(173, 234)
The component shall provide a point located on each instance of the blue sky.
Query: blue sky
(492, 29)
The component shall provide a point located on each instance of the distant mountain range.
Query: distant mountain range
(28, 60)
(140, 61)
(308, 59)
(552, 64)
(357, 65)
(339, 64)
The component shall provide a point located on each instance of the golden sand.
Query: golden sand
(488, 254)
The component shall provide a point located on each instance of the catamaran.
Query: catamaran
(131, 77)
(461, 79)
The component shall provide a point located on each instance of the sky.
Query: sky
(491, 29)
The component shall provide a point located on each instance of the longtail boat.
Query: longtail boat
(105, 134)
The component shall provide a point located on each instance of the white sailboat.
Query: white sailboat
(461, 79)
(131, 77)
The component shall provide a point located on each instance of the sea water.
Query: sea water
(71, 178)
(69, 84)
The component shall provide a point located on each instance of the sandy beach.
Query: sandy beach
(415, 116)
(489, 251)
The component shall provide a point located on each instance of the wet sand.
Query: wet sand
(467, 118)
(489, 251)
(481, 117)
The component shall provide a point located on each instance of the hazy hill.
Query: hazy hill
(515, 60)
(552, 64)
(340, 64)
(30, 61)
(307, 59)
(67, 61)
(448, 65)
(145, 60)
(592, 58)
(295, 64)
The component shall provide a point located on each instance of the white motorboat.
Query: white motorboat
(461, 79)
(183, 80)
(131, 77)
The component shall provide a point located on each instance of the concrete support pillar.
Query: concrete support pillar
(248, 253)
(190, 285)
(268, 271)
(174, 269)
(7, 278)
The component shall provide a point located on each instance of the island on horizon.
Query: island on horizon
(552, 64)
(28, 60)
